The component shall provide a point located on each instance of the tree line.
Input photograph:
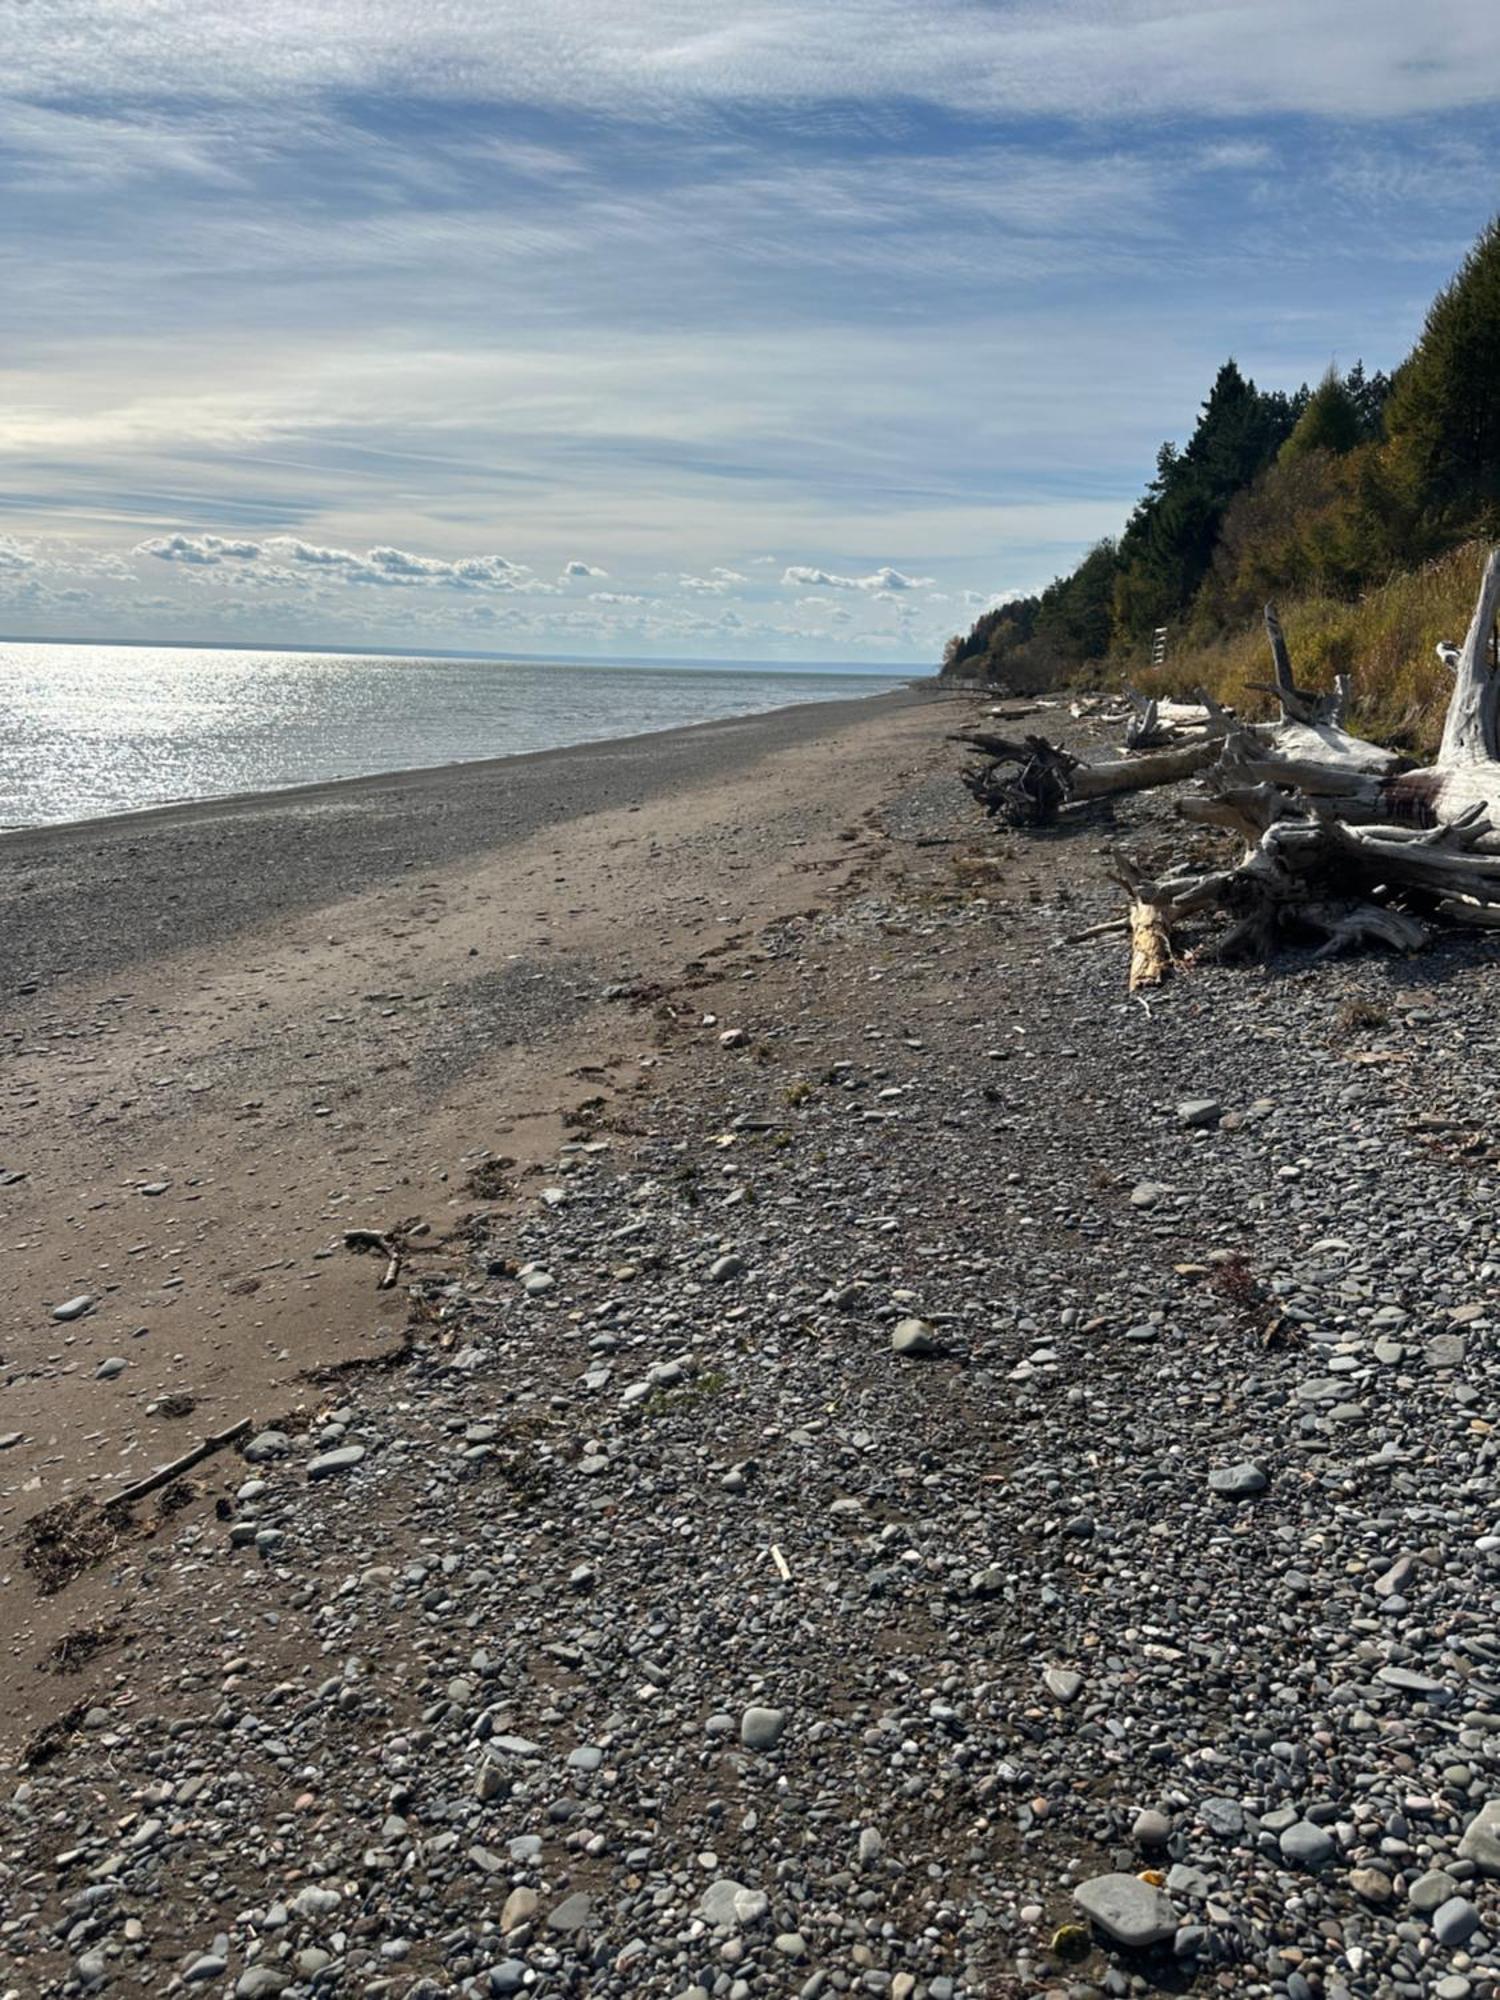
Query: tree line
(1324, 491)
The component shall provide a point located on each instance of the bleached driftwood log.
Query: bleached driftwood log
(1357, 791)
(1311, 729)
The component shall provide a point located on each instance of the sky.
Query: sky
(674, 328)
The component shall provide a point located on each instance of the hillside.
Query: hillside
(1350, 503)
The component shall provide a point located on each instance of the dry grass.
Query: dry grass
(1384, 640)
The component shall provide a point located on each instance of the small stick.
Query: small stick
(1113, 927)
(167, 1473)
(781, 1563)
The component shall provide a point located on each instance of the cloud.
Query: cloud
(716, 583)
(382, 565)
(203, 551)
(653, 59)
(884, 581)
(580, 569)
(12, 556)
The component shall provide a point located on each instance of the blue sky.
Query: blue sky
(728, 329)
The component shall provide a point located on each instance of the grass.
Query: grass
(1384, 640)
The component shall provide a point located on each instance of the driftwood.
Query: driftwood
(389, 1245)
(1311, 729)
(1030, 782)
(1467, 771)
(165, 1474)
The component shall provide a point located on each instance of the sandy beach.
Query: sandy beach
(881, 1446)
(234, 1029)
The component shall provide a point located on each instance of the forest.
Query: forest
(1349, 502)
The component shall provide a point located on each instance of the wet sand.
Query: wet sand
(86, 898)
(256, 1023)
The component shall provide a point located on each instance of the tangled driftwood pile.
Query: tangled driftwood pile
(1343, 840)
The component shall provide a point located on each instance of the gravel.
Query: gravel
(900, 1679)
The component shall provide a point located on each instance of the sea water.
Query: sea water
(91, 730)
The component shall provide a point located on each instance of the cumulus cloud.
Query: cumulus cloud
(581, 569)
(716, 583)
(12, 556)
(382, 565)
(800, 577)
(203, 551)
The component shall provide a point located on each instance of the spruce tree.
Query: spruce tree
(1330, 422)
(1443, 418)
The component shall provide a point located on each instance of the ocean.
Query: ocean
(91, 730)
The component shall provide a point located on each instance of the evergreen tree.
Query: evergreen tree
(1443, 419)
(1169, 542)
(1330, 422)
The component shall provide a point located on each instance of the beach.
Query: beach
(236, 1027)
(877, 1446)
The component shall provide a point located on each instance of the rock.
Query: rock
(1405, 1681)
(1371, 1883)
(267, 1445)
(74, 1308)
(717, 1904)
(315, 1902)
(1062, 1683)
(1152, 1830)
(1481, 1841)
(733, 1038)
(328, 1464)
(1127, 1909)
(1237, 1482)
(1146, 1194)
(1199, 1113)
(1307, 1845)
(1455, 1921)
(722, 1269)
(762, 1728)
(1395, 1579)
(870, 1848)
(108, 1370)
(572, 1914)
(915, 1339)
(509, 1976)
(259, 1982)
(536, 1284)
(520, 1908)
(1428, 1891)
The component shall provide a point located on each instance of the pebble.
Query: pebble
(328, 1464)
(1132, 1912)
(915, 1339)
(762, 1728)
(1307, 1845)
(1237, 1482)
